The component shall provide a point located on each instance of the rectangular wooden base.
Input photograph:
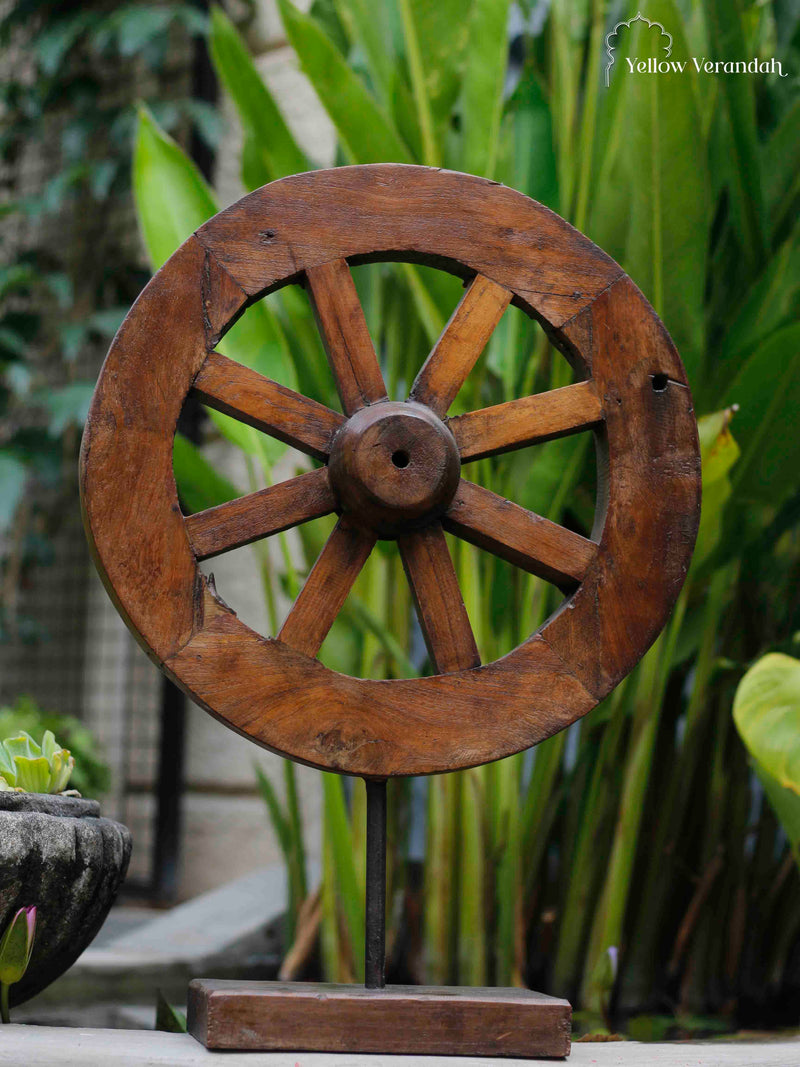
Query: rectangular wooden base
(310, 1017)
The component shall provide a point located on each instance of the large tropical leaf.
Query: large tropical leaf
(271, 150)
(767, 392)
(766, 711)
(726, 38)
(719, 452)
(667, 241)
(199, 484)
(483, 84)
(365, 129)
(172, 201)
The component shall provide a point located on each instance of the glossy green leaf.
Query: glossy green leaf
(173, 201)
(16, 946)
(767, 392)
(272, 151)
(483, 84)
(726, 38)
(719, 451)
(781, 166)
(773, 301)
(199, 485)
(666, 253)
(365, 129)
(348, 893)
(172, 198)
(376, 37)
(766, 710)
(530, 163)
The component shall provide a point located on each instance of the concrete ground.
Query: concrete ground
(40, 1046)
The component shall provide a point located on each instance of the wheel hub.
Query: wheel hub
(394, 467)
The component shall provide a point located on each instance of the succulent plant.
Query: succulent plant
(30, 768)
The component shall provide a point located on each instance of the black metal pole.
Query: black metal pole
(375, 941)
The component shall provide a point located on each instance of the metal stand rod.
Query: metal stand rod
(375, 940)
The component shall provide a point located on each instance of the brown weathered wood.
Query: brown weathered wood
(394, 466)
(344, 332)
(268, 511)
(326, 588)
(523, 538)
(462, 341)
(531, 420)
(251, 398)
(629, 575)
(400, 1020)
(437, 598)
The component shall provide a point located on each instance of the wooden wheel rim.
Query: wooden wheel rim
(648, 499)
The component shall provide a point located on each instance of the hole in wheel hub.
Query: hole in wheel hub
(394, 466)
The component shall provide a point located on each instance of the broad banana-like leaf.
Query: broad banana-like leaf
(172, 201)
(669, 218)
(366, 131)
(766, 710)
(271, 150)
(483, 84)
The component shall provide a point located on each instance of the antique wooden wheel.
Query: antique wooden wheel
(393, 469)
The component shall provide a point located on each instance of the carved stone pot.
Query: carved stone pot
(57, 853)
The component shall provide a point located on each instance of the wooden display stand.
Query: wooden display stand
(393, 470)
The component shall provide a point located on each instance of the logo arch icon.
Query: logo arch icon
(611, 35)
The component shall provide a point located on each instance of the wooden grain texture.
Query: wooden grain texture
(326, 588)
(523, 538)
(463, 339)
(345, 336)
(528, 421)
(437, 598)
(260, 514)
(130, 504)
(251, 398)
(388, 211)
(305, 1017)
(648, 497)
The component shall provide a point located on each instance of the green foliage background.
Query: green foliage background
(643, 829)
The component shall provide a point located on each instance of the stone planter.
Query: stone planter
(57, 853)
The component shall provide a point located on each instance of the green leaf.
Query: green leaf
(767, 392)
(766, 710)
(271, 148)
(772, 301)
(366, 131)
(528, 130)
(483, 82)
(726, 38)
(376, 37)
(13, 477)
(348, 893)
(172, 198)
(280, 824)
(17, 945)
(172, 201)
(719, 451)
(168, 1019)
(669, 218)
(199, 485)
(781, 166)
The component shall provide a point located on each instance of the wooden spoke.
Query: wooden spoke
(344, 333)
(464, 338)
(326, 588)
(279, 507)
(529, 421)
(437, 596)
(248, 396)
(523, 538)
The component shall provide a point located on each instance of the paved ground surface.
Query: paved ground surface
(45, 1046)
